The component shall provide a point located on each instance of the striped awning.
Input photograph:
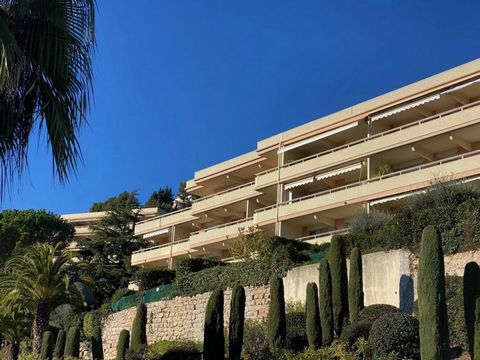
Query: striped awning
(156, 233)
(298, 183)
(336, 172)
(408, 106)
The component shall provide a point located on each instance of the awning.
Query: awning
(460, 87)
(156, 233)
(298, 183)
(318, 137)
(336, 172)
(396, 197)
(399, 109)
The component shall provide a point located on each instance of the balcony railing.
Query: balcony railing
(163, 216)
(378, 178)
(222, 226)
(324, 234)
(379, 135)
(160, 246)
(224, 192)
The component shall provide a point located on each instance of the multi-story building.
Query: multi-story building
(309, 182)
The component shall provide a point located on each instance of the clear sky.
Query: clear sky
(181, 85)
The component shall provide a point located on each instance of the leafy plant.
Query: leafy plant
(373, 312)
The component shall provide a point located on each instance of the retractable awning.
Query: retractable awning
(336, 172)
(399, 109)
(156, 233)
(318, 137)
(460, 87)
(396, 197)
(298, 183)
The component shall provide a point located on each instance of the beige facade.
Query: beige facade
(309, 182)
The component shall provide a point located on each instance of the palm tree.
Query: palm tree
(46, 49)
(40, 279)
(14, 326)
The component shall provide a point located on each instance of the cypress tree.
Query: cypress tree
(325, 302)
(122, 345)
(355, 285)
(237, 319)
(97, 348)
(48, 342)
(60, 345)
(471, 284)
(338, 270)
(72, 343)
(277, 330)
(312, 315)
(476, 343)
(139, 328)
(213, 337)
(434, 343)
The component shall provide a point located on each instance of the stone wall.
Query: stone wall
(181, 318)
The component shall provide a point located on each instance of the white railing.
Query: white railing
(222, 226)
(369, 138)
(163, 215)
(378, 178)
(224, 192)
(160, 246)
(319, 235)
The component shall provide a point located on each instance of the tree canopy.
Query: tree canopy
(125, 200)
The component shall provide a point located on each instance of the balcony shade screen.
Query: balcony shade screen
(460, 87)
(299, 183)
(155, 233)
(396, 197)
(336, 172)
(318, 137)
(399, 109)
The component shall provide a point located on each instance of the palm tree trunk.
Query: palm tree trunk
(40, 323)
(13, 350)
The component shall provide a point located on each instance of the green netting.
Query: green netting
(150, 295)
(317, 256)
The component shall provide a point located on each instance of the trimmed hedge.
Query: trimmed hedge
(314, 331)
(471, 290)
(325, 302)
(277, 330)
(139, 328)
(150, 278)
(122, 345)
(59, 344)
(296, 338)
(48, 343)
(72, 343)
(174, 350)
(97, 347)
(355, 331)
(213, 336)
(373, 312)
(236, 323)
(338, 269)
(355, 285)
(397, 333)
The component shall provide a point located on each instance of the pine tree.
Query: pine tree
(139, 328)
(122, 345)
(325, 302)
(60, 345)
(237, 319)
(314, 331)
(48, 343)
(213, 337)
(97, 348)
(276, 314)
(355, 285)
(434, 342)
(338, 270)
(72, 343)
(471, 290)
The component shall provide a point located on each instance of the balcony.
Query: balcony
(163, 221)
(322, 238)
(398, 182)
(447, 121)
(155, 254)
(230, 196)
(218, 233)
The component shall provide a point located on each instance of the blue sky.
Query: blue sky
(181, 85)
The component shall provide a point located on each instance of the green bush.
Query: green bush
(325, 302)
(139, 328)
(373, 312)
(476, 342)
(138, 354)
(456, 317)
(395, 333)
(255, 341)
(186, 266)
(148, 278)
(120, 293)
(338, 270)
(432, 306)
(174, 350)
(59, 345)
(122, 345)
(314, 331)
(355, 285)
(236, 323)
(213, 335)
(276, 314)
(72, 343)
(355, 331)
(471, 290)
(296, 335)
(97, 347)
(48, 343)
(369, 223)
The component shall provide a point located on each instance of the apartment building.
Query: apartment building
(308, 183)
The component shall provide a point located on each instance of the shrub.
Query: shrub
(355, 331)
(314, 332)
(325, 302)
(456, 317)
(338, 269)
(476, 342)
(149, 278)
(122, 345)
(276, 314)
(48, 342)
(72, 342)
(97, 348)
(139, 328)
(236, 324)
(214, 342)
(173, 350)
(255, 341)
(120, 293)
(355, 285)
(369, 223)
(395, 333)
(373, 312)
(434, 343)
(138, 354)
(471, 290)
(296, 335)
(187, 266)
(59, 345)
